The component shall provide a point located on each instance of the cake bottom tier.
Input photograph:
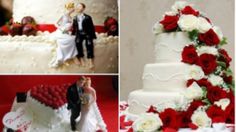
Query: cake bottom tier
(140, 100)
(21, 54)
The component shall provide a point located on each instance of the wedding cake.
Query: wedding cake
(45, 110)
(190, 84)
(32, 54)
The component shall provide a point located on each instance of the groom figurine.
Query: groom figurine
(74, 94)
(84, 30)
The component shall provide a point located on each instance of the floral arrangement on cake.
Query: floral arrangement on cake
(111, 26)
(210, 86)
(27, 27)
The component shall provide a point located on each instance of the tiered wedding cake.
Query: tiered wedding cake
(190, 84)
(32, 54)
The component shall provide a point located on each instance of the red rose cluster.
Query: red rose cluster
(111, 26)
(26, 27)
(52, 96)
(170, 23)
(206, 61)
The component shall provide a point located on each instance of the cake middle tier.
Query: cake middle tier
(168, 77)
(140, 100)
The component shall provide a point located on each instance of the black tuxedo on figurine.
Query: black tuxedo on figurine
(84, 30)
(74, 103)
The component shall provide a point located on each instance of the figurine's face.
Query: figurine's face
(70, 10)
(80, 8)
(81, 83)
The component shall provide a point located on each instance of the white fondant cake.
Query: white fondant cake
(40, 9)
(164, 80)
(168, 46)
(22, 54)
(190, 80)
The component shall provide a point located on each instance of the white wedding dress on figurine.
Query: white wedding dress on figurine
(66, 47)
(91, 119)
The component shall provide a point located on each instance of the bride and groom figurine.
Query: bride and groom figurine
(70, 35)
(81, 99)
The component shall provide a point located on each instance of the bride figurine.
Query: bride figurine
(91, 119)
(66, 48)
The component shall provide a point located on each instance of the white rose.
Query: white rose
(188, 22)
(218, 31)
(207, 49)
(194, 72)
(215, 80)
(200, 118)
(147, 122)
(179, 5)
(223, 103)
(157, 28)
(194, 91)
(203, 25)
(171, 13)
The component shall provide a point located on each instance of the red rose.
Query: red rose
(110, 21)
(189, 54)
(152, 109)
(210, 38)
(229, 113)
(216, 114)
(170, 22)
(207, 62)
(215, 93)
(193, 106)
(204, 83)
(224, 57)
(169, 118)
(227, 79)
(188, 10)
(184, 119)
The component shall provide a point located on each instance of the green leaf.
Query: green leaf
(206, 101)
(223, 41)
(228, 72)
(222, 64)
(193, 35)
(204, 92)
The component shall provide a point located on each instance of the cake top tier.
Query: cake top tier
(182, 26)
(49, 11)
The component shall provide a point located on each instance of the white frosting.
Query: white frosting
(167, 77)
(39, 9)
(46, 115)
(140, 100)
(169, 46)
(21, 54)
